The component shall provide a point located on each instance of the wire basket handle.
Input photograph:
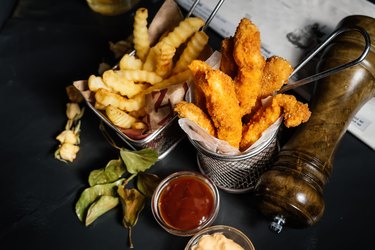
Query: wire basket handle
(212, 15)
(333, 70)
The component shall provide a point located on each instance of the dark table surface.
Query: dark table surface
(44, 46)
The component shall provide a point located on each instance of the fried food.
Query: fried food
(119, 117)
(164, 59)
(130, 62)
(195, 114)
(293, 111)
(140, 33)
(250, 62)
(275, 74)
(150, 68)
(140, 76)
(227, 63)
(96, 82)
(221, 101)
(119, 83)
(183, 31)
(191, 52)
(174, 79)
(259, 122)
(106, 98)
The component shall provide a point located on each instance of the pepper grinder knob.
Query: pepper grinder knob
(277, 224)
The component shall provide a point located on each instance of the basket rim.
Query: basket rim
(203, 150)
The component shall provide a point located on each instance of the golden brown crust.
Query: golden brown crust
(221, 102)
(250, 62)
(275, 74)
(293, 111)
(195, 114)
(227, 63)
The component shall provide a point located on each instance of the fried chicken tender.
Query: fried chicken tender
(221, 101)
(259, 122)
(227, 63)
(191, 111)
(250, 62)
(293, 111)
(275, 74)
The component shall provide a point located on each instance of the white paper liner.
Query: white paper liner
(213, 144)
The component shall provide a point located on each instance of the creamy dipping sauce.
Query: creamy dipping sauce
(216, 241)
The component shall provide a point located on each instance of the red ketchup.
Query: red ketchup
(186, 202)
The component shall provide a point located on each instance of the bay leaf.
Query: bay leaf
(100, 207)
(132, 202)
(111, 172)
(91, 194)
(138, 161)
(147, 183)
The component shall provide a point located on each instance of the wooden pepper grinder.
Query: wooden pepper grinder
(291, 192)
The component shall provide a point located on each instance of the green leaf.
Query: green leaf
(99, 207)
(138, 161)
(147, 183)
(91, 194)
(113, 171)
(132, 203)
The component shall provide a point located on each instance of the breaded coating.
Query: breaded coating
(293, 111)
(275, 74)
(259, 122)
(198, 97)
(221, 101)
(191, 111)
(227, 63)
(250, 62)
(248, 89)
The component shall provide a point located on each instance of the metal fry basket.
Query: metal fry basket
(237, 173)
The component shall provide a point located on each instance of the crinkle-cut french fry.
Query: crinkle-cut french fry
(183, 31)
(140, 76)
(130, 62)
(164, 59)
(141, 40)
(192, 50)
(120, 84)
(106, 98)
(150, 61)
(96, 82)
(99, 106)
(139, 125)
(136, 103)
(174, 79)
(119, 117)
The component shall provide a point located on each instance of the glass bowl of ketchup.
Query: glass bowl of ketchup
(185, 202)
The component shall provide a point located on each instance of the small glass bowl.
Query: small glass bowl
(229, 232)
(156, 203)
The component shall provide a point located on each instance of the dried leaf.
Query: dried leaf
(132, 203)
(147, 183)
(73, 94)
(113, 171)
(91, 194)
(138, 161)
(99, 207)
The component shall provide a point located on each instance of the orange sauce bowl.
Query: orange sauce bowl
(185, 202)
